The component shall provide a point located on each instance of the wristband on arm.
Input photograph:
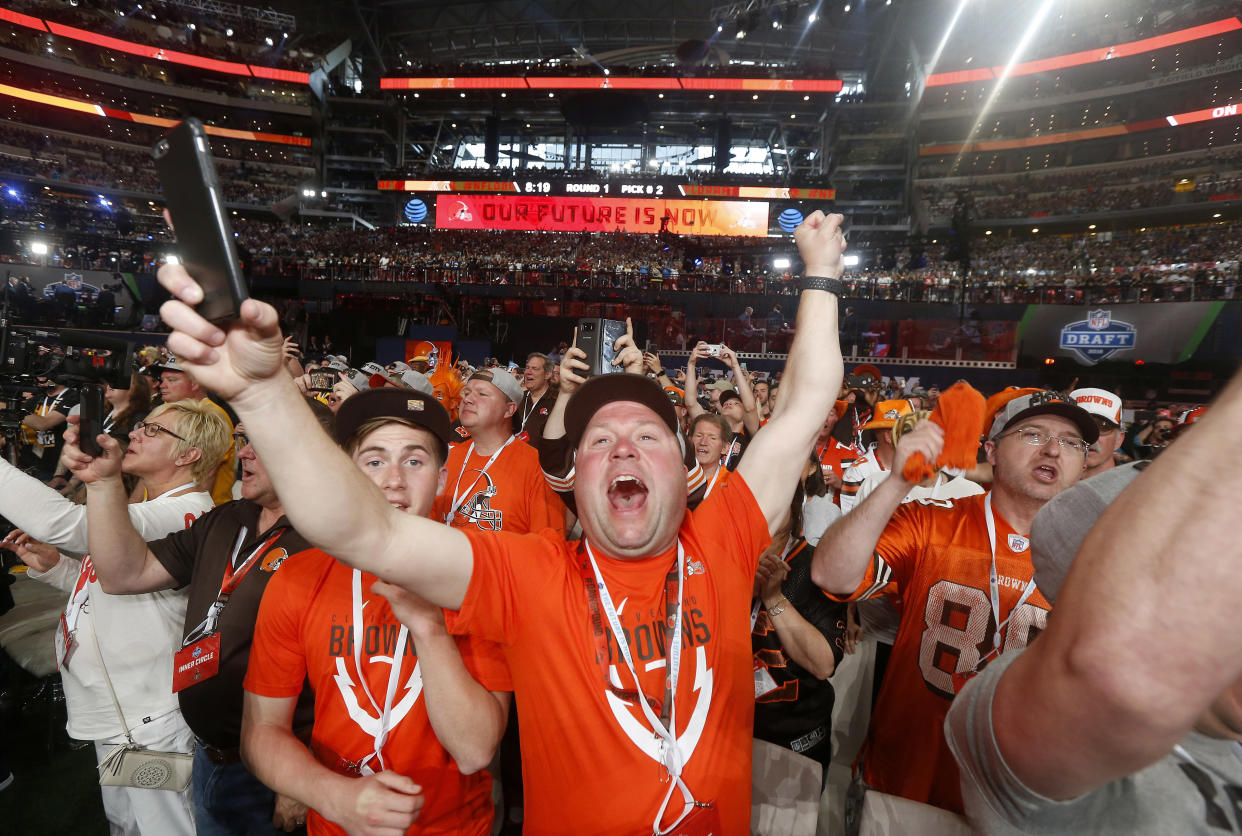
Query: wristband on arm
(833, 286)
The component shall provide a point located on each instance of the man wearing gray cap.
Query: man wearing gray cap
(962, 569)
(1126, 716)
(494, 481)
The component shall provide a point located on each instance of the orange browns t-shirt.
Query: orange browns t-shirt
(934, 560)
(511, 496)
(305, 631)
(589, 759)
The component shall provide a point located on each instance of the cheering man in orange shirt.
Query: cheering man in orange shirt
(629, 650)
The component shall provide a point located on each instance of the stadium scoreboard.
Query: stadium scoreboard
(651, 187)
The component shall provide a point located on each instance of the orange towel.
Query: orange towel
(960, 413)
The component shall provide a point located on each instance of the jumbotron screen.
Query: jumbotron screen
(602, 214)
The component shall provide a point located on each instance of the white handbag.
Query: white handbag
(131, 765)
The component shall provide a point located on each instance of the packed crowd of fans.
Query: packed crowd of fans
(538, 524)
(109, 166)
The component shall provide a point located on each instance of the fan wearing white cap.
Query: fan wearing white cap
(1105, 410)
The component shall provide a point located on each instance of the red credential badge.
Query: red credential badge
(196, 662)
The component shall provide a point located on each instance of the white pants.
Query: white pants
(137, 812)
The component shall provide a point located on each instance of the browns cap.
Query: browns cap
(604, 389)
(418, 408)
(887, 413)
(1046, 402)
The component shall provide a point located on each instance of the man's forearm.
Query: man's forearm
(691, 399)
(338, 509)
(814, 369)
(803, 642)
(467, 719)
(842, 556)
(276, 757)
(326, 497)
(44, 422)
(554, 427)
(776, 458)
(118, 552)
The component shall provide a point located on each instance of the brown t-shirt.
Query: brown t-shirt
(530, 417)
(197, 558)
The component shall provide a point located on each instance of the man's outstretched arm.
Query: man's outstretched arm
(327, 498)
(776, 457)
(1144, 635)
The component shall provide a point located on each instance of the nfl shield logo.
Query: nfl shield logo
(1098, 320)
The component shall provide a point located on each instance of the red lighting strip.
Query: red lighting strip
(1090, 56)
(1173, 120)
(157, 121)
(774, 85)
(758, 192)
(22, 20)
(153, 52)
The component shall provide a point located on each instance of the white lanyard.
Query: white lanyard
(394, 675)
(458, 499)
(993, 586)
(712, 483)
(109, 422)
(47, 410)
(669, 750)
(526, 413)
(174, 490)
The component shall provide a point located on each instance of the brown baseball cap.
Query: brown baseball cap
(604, 389)
(418, 408)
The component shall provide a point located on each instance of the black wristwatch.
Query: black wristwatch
(833, 286)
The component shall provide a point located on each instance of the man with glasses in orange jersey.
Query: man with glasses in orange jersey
(961, 570)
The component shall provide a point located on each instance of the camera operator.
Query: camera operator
(1149, 439)
(42, 426)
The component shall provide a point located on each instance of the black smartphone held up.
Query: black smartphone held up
(597, 337)
(195, 200)
(323, 381)
(91, 419)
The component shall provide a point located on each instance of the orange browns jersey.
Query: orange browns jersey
(589, 759)
(934, 561)
(304, 632)
(511, 495)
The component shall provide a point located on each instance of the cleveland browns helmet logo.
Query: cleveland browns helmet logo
(478, 508)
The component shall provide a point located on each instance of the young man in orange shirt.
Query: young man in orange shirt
(646, 742)
(404, 727)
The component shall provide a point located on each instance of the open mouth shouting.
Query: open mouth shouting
(627, 493)
(1046, 473)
